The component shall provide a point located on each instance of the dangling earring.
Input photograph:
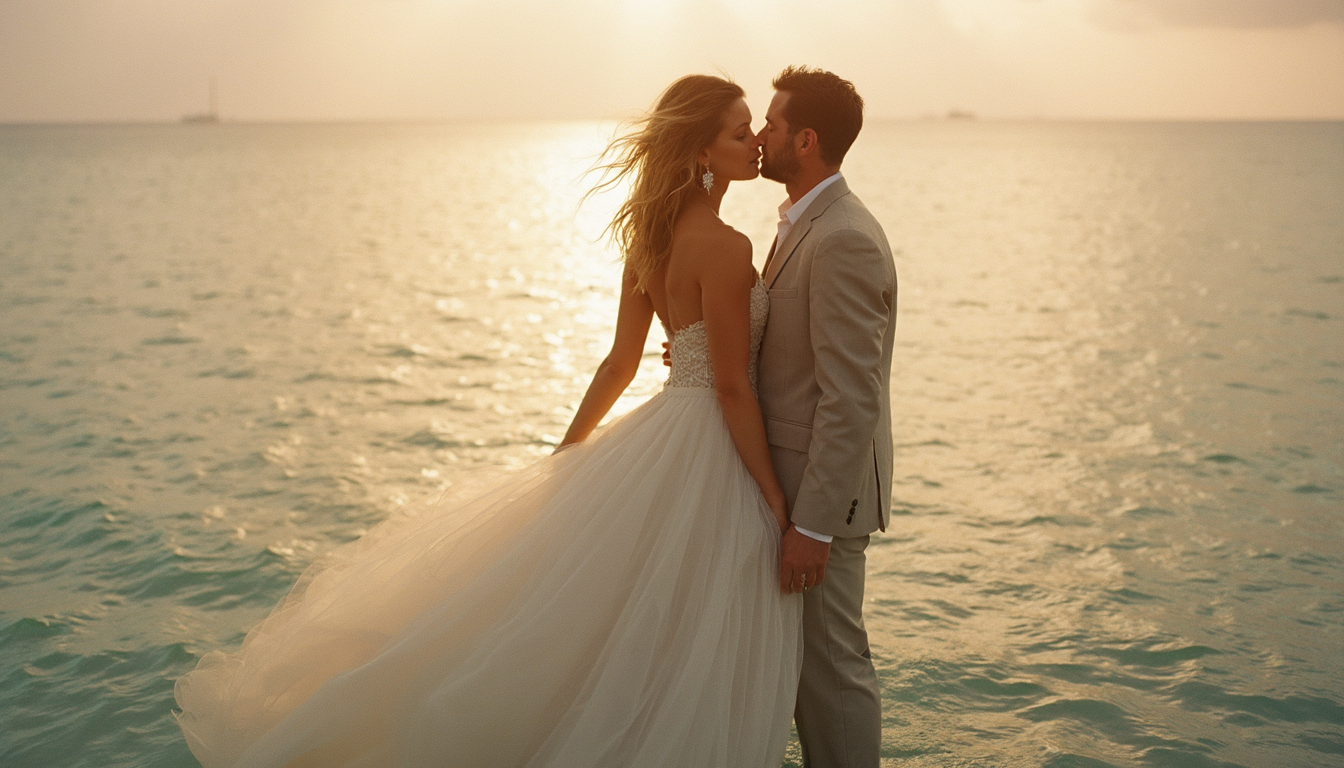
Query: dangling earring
(707, 181)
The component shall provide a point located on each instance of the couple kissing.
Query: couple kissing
(673, 589)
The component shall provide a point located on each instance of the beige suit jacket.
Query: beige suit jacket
(825, 370)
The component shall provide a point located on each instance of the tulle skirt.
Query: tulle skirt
(616, 604)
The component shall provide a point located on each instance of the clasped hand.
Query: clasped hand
(802, 562)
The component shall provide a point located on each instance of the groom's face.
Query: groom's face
(779, 159)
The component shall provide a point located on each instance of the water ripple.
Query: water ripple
(1114, 536)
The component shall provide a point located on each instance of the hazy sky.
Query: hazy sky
(429, 59)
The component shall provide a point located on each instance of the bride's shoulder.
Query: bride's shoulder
(714, 242)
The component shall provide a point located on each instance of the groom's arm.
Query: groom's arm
(850, 300)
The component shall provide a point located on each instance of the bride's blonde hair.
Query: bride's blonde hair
(661, 154)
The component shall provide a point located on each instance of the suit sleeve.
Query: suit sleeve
(850, 301)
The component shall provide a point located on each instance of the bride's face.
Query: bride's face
(735, 154)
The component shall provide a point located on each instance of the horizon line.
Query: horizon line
(961, 118)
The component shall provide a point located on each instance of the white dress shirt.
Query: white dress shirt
(789, 214)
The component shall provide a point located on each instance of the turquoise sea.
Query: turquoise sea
(1119, 397)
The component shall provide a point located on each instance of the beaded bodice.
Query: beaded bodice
(690, 347)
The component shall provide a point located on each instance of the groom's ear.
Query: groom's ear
(805, 142)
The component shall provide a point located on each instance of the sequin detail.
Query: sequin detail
(690, 346)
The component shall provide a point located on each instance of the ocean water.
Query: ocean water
(1119, 380)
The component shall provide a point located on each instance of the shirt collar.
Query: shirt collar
(794, 211)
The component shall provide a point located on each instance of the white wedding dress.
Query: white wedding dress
(616, 604)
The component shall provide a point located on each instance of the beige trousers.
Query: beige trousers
(839, 710)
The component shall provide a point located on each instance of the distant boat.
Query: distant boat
(960, 114)
(211, 116)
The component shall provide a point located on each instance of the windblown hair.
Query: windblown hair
(826, 103)
(661, 156)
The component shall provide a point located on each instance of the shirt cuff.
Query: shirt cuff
(822, 537)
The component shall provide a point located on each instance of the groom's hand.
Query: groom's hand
(802, 564)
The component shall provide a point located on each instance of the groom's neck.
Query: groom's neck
(807, 178)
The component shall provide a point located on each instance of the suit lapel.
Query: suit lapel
(784, 250)
(770, 257)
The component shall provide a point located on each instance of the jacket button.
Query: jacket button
(854, 503)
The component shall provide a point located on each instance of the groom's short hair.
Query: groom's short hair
(826, 103)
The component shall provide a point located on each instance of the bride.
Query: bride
(615, 604)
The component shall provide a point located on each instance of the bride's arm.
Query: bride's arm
(725, 298)
(622, 362)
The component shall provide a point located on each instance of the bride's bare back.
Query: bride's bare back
(704, 250)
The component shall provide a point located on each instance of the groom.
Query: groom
(825, 392)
